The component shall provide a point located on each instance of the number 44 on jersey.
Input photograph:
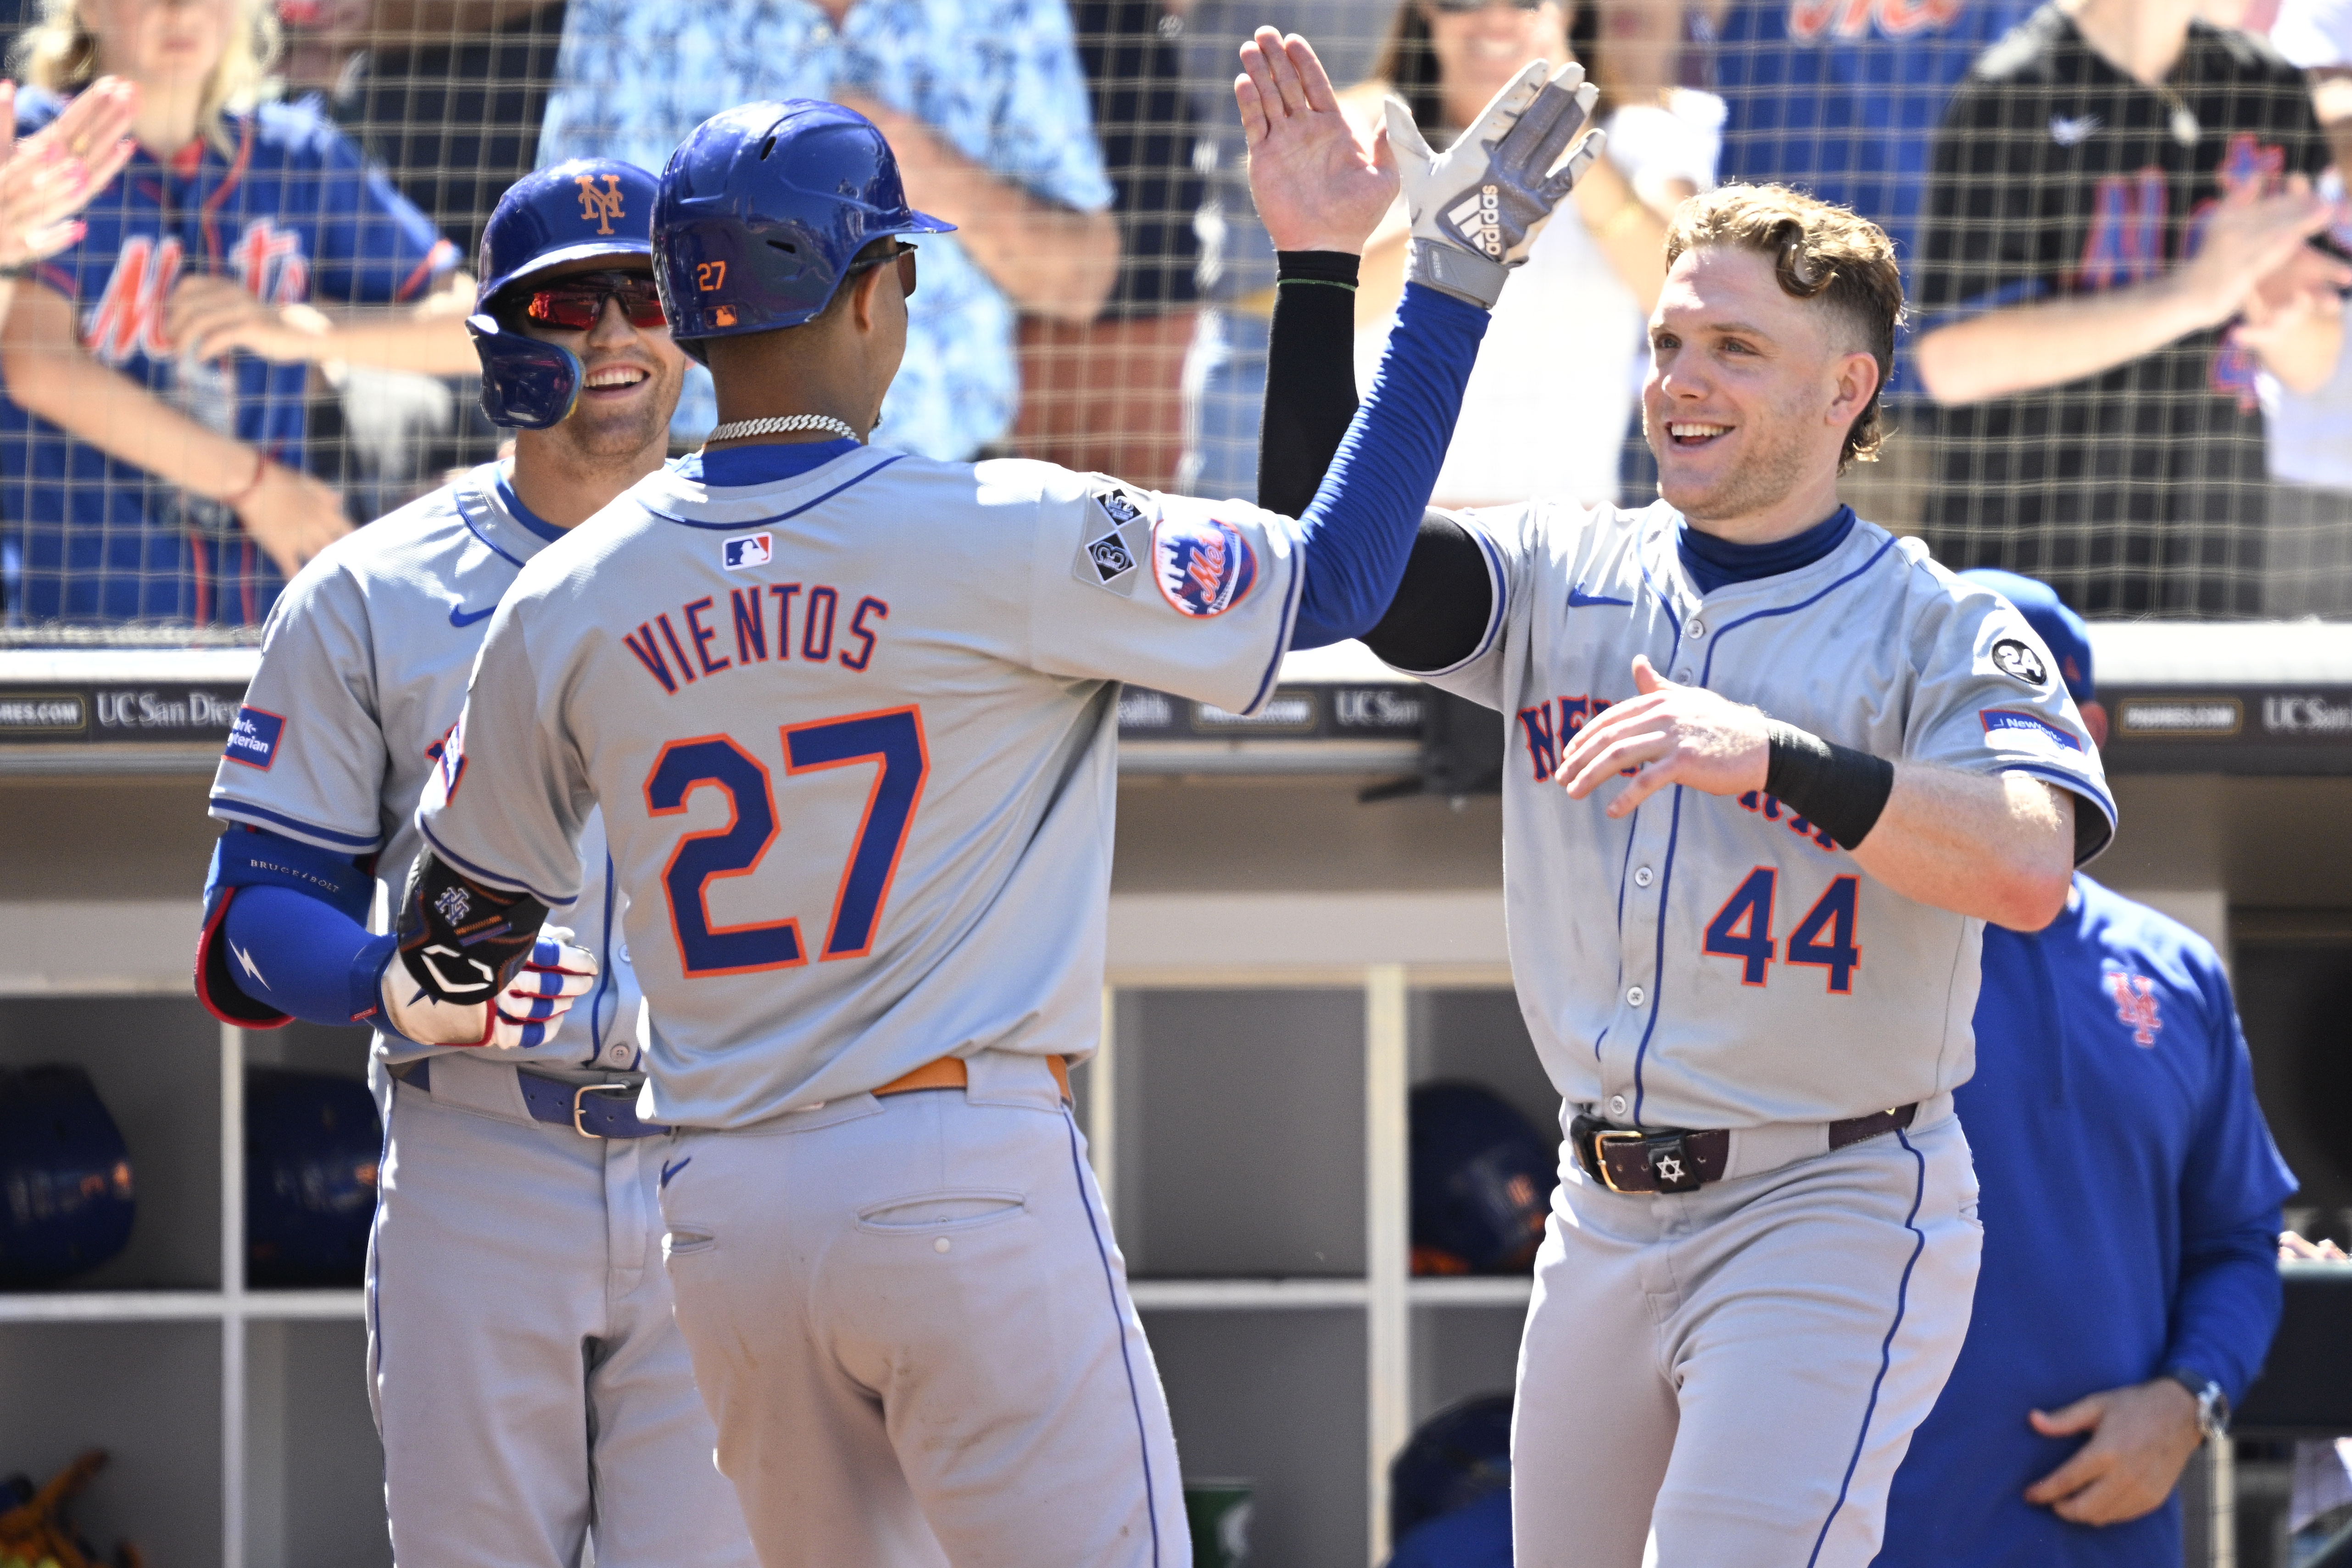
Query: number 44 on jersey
(1824, 938)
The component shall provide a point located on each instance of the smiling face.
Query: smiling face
(1750, 396)
(630, 377)
(1478, 52)
(162, 45)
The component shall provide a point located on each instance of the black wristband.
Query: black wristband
(1836, 787)
(1338, 267)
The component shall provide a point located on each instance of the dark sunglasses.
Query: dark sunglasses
(904, 256)
(577, 302)
(1464, 7)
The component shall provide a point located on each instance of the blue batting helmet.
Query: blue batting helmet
(1455, 1458)
(1482, 1182)
(65, 1176)
(762, 210)
(312, 1142)
(574, 211)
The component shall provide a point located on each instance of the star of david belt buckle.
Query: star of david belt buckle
(1672, 1164)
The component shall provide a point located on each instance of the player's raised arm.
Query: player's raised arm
(1475, 210)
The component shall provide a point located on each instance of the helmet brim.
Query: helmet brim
(563, 256)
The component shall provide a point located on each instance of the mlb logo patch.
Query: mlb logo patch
(1203, 567)
(748, 550)
(253, 739)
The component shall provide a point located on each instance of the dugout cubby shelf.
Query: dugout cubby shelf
(1283, 966)
(237, 1419)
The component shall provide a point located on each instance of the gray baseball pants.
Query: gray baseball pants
(1740, 1368)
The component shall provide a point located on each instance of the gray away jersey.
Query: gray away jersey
(855, 738)
(363, 669)
(1713, 961)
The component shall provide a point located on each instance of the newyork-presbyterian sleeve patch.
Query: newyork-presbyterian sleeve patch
(253, 739)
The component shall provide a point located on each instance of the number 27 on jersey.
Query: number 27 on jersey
(891, 741)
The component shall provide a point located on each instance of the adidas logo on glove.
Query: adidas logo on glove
(1478, 219)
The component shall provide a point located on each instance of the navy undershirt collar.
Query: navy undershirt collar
(504, 485)
(763, 464)
(1713, 562)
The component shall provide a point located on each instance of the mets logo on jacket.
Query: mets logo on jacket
(1203, 567)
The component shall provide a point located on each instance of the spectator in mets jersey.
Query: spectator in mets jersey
(985, 105)
(152, 443)
(2115, 239)
(1842, 97)
(2130, 1199)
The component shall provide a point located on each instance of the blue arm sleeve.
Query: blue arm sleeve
(2228, 1304)
(1359, 528)
(302, 956)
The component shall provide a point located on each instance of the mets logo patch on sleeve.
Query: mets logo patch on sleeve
(253, 739)
(746, 550)
(1203, 567)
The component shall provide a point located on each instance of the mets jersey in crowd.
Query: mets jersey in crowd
(293, 212)
(854, 732)
(1842, 97)
(363, 675)
(1716, 961)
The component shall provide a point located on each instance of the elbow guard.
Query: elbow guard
(462, 941)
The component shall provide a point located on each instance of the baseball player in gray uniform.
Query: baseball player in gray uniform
(1750, 966)
(851, 717)
(528, 1379)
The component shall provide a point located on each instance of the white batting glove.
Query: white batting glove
(1476, 206)
(525, 1014)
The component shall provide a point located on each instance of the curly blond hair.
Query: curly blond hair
(1819, 251)
(61, 53)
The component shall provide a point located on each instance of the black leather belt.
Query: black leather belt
(591, 1109)
(1628, 1160)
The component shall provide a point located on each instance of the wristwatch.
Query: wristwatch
(2212, 1404)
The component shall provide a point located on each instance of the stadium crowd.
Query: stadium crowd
(2120, 224)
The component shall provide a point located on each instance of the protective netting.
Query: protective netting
(2097, 384)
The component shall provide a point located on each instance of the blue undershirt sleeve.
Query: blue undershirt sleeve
(2228, 1304)
(1358, 530)
(302, 956)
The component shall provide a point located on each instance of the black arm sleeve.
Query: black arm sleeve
(1310, 376)
(1442, 604)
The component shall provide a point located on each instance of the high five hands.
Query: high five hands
(1320, 182)
(1477, 207)
(1668, 735)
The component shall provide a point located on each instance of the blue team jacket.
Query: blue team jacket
(2131, 1199)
